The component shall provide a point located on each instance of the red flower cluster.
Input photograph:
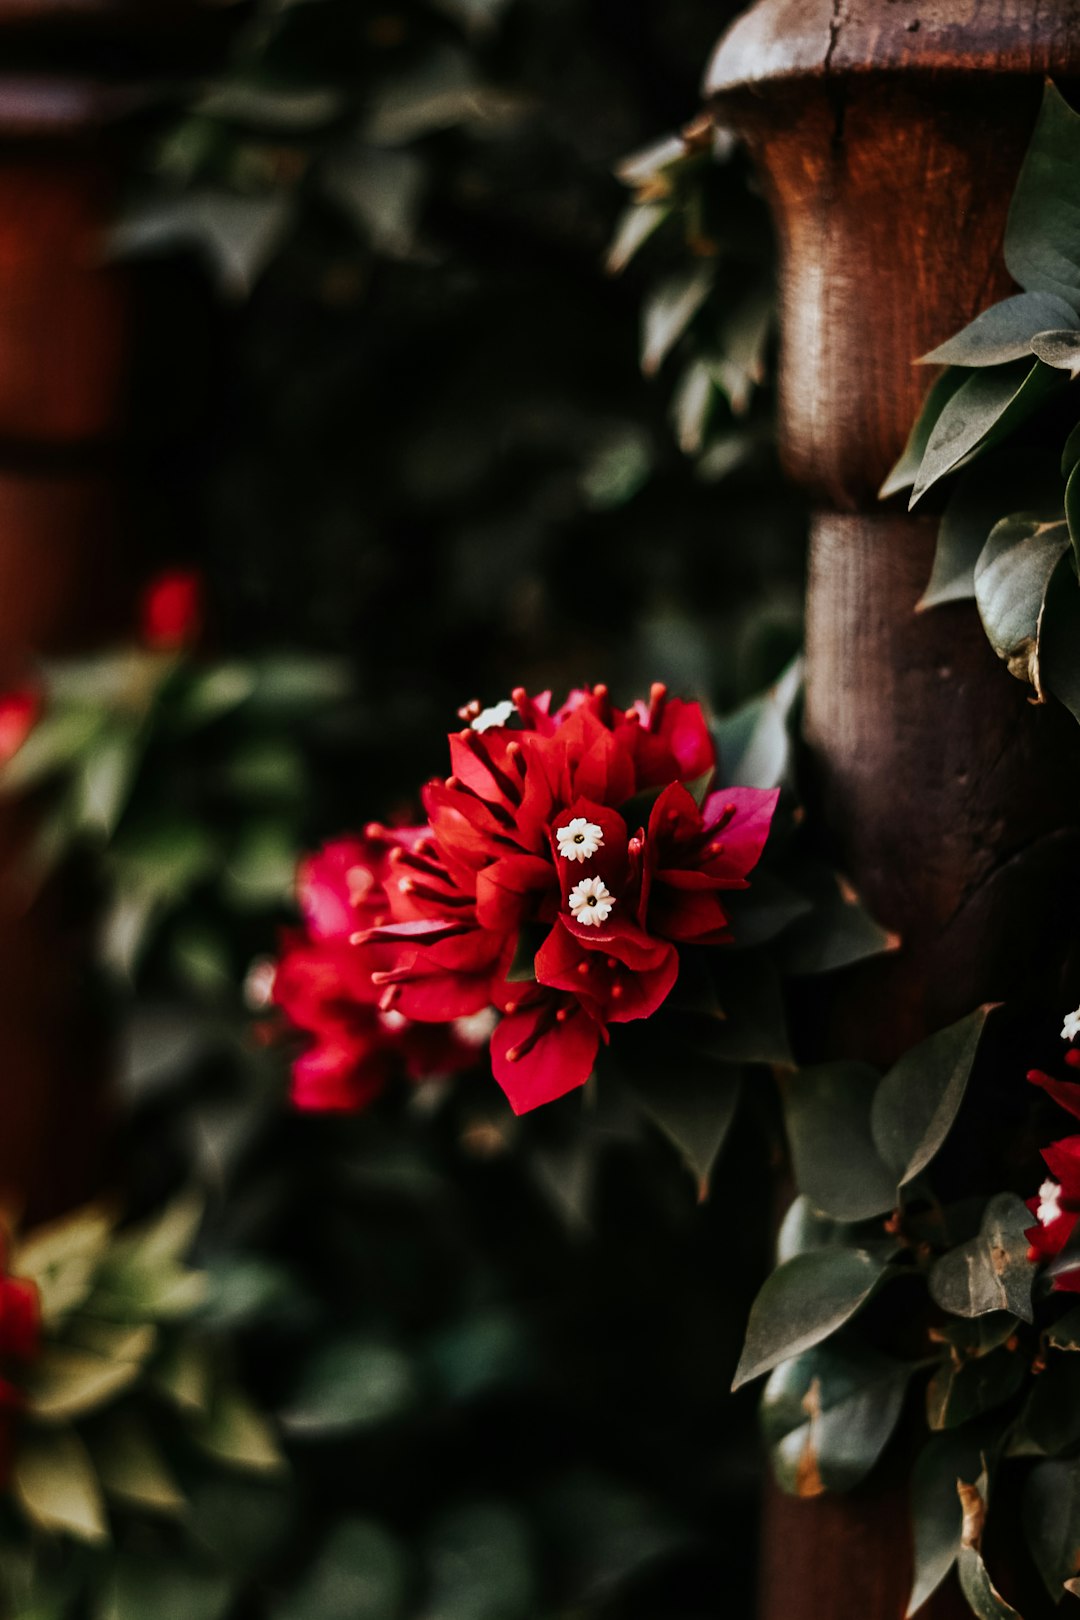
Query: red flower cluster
(20, 1340)
(324, 984)
(171, 610)
(1057, 1207)
(561, 867)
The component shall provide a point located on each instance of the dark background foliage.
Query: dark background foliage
(390, 401)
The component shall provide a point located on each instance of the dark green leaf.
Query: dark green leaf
(1012, 578)
(1051, 1515)
(692, 1100)
(754, 743)
(1011, 481)
(150, 1581)
(1071, 453)
(983, 1597)
(1042, 236)
(1051, 1418)
(988, 406)
(753, 1028)
(804, 1228)
(827, 1111)
(1060, 349)
(1072, 509)
(803, 1302)
(762, 912)
(351, 1383)
(991, 1272)
(1059, 637)
(1005, 331)
(361, 1573)
(917, 1101)
(1065, 1333)
(962, 1389)
(636, 224)
(904, 474)
(480, 1565)
(669, 311)
(936, 1514)
(828, 1414)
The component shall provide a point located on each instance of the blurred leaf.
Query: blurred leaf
(62, 1259)
(486, 1351)
(55, 1484)
(693, 1103)
(1051, 1516)
(827, 1416)
(207, 694)
(636, 224)
(66, 1383)
(754, 743)
(262, 866)
(184, 1374)
(991, 1272)
(243, 1520)
(105, 779)
(237, 235)
(804, 1301)
(480, 1565)
(669, 310)
(269, 107)
(55, 743)
(380, 192)
(148, 1581)
(350, 1383)
(292, 685)
(617, 467)
(836, 1163)
(440, 91)
(1050, 1422)
(234, 1432)
(130, 1466)
(360, 1573)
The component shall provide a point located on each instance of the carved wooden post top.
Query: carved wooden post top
(798, 39)
(889, 150)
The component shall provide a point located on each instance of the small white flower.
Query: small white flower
(590, 901)
(1049, 1203)
(1070, 1029)
(497, 715)
(579, 840)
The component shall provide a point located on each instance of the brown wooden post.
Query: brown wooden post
(71, 73)
(889, 134)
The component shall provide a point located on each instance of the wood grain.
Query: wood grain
(888, 134)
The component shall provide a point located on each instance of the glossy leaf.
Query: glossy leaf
(804, 1228)
(987, 407)
(936, 1514)
(990, 1272)
(1042, 235)
(917, 1101)
(962, 1389)
(803, 1302)
(904, 474)
(1010, 482)
(1005, 331)
(827, 1416)
(1051, 1514)
(827, 1112)
(1060, 349)
(1012, 578)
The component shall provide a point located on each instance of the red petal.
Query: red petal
(559, 1059)
(1066, 1093)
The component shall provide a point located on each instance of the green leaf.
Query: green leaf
(57, 741)
(1012, 578)
(1071, 453)
(669, 310)
(1060, 349)
(838, 932)
(804, 1301)
(827, 1416)
(67, 1383)
(62, 1259)
(351, 1383)
(1012, 481)
(105, 780)
(1059, 637)
(754, 743)
(148, 1580)
(1072, 509)
(234, 1432)
(827, 1112)
(904, 474)
(1005, 331)
(1042, 235)
(691, 1099)
(983, 1596)
(241, 1520)
(486, 1351)
(987, 407)
(991, 1272)
(1051, 1515)
(1065, 1333)
(936, 1514)
(131, 1467)
(636, 224)
(917, 1101)
(804, 1228)
(753, 1025)
(480, 1565)
(962, 1389)
(55, 1484)
(1050, 1422)
(288, 686)
(767, 909)
(360, 1573)
(207, 694)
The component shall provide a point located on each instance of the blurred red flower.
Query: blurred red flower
(19, 712)
(171, 615)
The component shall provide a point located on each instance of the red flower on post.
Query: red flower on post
(564, 863)
(171, 615)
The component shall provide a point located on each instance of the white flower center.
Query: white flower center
(497, 715)
(1070, 1029)
(1049, 1203)
(579, 840)
(590, 901)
